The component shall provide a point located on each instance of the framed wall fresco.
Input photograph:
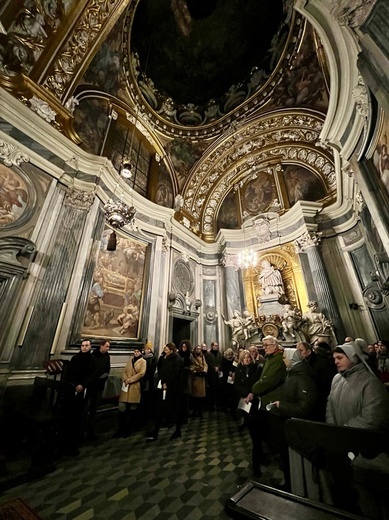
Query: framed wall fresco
(228, 212)
(259, 193)
(164, 190)
(302, 184)
(90, 123)
(114, 304)
(22, 195)
(379, 151)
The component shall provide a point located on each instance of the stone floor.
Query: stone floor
(131, 479)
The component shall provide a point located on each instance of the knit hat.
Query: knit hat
(149, 345)
(348, 350)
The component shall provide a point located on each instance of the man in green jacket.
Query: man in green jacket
(265, 391)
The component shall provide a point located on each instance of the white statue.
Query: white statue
(249, 325)
(290, 320)
(315, 323)
(237, 325)
(271, 280)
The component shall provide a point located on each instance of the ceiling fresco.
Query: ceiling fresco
(194, 59)
(229, 98)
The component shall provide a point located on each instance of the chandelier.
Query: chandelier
(247, 258)
(118, 214)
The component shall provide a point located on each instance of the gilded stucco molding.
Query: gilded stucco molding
(87, 32)
(260, 144)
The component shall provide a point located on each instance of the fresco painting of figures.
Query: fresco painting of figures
(115, 299)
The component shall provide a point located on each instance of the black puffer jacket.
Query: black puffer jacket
(299, 393)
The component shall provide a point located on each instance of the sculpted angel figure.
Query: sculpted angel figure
(316, 323)
(290, 320)
(237, 325)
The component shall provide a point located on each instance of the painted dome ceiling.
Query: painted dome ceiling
(195, 51)
(194, 62)
(218, 102)
(234, 93)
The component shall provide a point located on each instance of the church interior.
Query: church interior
(161, 177)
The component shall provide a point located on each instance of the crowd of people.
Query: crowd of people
(260, 387)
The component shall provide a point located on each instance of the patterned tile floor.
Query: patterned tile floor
(130, 479)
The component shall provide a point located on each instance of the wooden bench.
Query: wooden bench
(40, 419)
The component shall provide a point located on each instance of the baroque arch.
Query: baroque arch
(262, 144)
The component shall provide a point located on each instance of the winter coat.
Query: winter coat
(272, 377)
(358, 399)
(214, 359)
(199, 369)
(151, 363)
(324, 371)
(133, 372)
(101, 367)
(245, 377)
(79, 369)
(171, 372)
(299, 393)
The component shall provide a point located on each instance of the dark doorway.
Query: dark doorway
(181, 330)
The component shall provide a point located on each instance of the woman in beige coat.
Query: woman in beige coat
(130, 394)
(199, 369)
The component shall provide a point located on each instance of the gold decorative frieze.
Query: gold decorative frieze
(86, 33)
(266, 142)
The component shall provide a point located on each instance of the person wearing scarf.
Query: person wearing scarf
(357, 398)
(130, 394)
(247, 373)
(147, 401)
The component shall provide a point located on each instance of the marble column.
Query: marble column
(309, 243)
(53, 289)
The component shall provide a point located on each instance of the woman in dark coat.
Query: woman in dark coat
(184, 351)
(228, 398)
(147, 401)
(298, 399)
(170, 373)
(246, 374)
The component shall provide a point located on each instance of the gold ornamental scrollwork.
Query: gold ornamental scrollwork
(84, 36)
(285, 136)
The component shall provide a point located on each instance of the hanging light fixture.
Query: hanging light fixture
(247, 258)
(118, 214)
(127, 166)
